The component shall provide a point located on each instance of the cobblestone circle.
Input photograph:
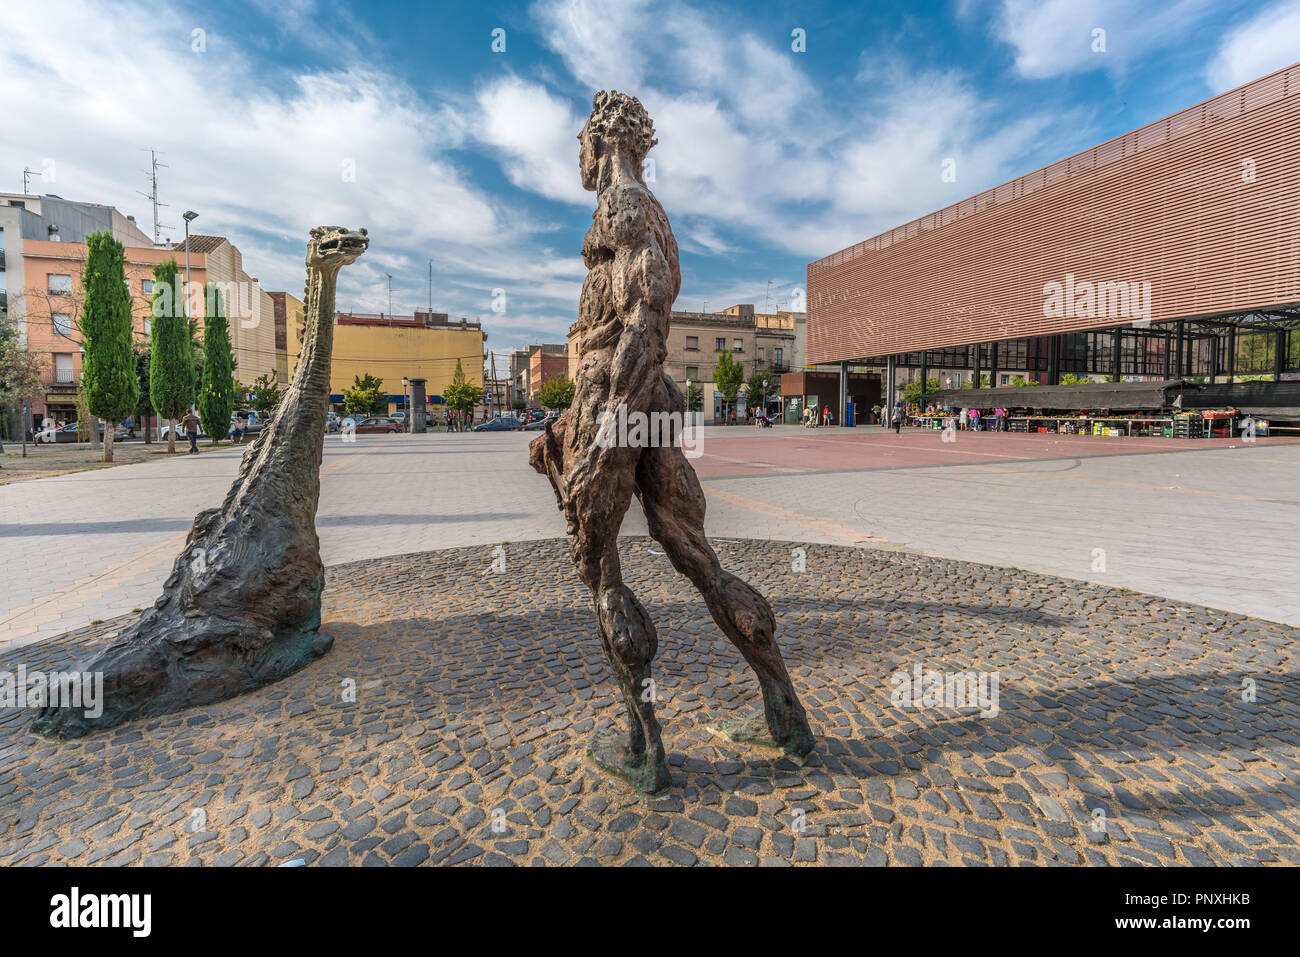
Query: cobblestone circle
(448, 724)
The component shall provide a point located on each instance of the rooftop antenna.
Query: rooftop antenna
(390, 294)
(152, 195)
(27, 173)
(767, 296)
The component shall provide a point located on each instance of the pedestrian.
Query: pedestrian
(963, 419)
(190, 424)
(975, 420)
(898, 419)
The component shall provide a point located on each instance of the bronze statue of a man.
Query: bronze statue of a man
(623, 318)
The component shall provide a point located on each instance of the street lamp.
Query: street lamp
(407, 403)
(189, 216)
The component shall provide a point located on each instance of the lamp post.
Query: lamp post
(189, 216)
(406, 401)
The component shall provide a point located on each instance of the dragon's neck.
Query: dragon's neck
(312, 377)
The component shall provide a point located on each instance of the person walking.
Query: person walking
(898, 419)
(964, 419)
(190, 424)
(975, 420)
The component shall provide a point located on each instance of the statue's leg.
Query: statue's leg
(627, 635)
(674, 508)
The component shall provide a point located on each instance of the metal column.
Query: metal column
(844, 394)
(1117, 348)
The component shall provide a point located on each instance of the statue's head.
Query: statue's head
(618, 124)
(335, 246)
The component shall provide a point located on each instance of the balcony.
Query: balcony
(2, 259)
(772, 365)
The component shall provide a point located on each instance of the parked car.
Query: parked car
(538, 425)
(69, 434)
(399, 415)
(254, 423)
(501, 423)
(377, 424)
(180, 432)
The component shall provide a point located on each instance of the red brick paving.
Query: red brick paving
(793, 449)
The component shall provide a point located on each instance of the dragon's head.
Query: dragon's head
(335, 246)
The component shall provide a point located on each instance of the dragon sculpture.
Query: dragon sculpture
(242, 606)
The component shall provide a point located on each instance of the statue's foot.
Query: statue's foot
(647, 771)
(751, 728)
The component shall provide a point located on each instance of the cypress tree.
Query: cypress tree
(171, 364)
(217, 397)
(108, 370)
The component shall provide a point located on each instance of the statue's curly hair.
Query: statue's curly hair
(619, 118)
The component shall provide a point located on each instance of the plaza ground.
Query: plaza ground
(1212, 522)
(1130, 725)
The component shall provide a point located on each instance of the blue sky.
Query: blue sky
(277, 116)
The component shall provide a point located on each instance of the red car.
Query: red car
(377, 424)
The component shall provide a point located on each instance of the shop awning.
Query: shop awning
(1093, 395)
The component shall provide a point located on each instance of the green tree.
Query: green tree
(461, 395)
(912, 391)
(727, 377)
(518, 404)
(20, 374)
(985, 382)
(757, 390)
(694, 398)
(556, 393)
(108, 367)
(172, 370)
(1071, 379)
(1020, 381)
(217, 395)
(264, 394)
(365, 397)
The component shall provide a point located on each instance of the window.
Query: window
(146, 326)
(777, 354)
(60, 285)
(62, 324)
(693, 343)
(146, 286)
(1005, 380)
(719, 345)
(63, 368)
(737, 345)
(693, 373)
(956, 380)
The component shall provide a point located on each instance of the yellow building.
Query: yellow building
(391, 348)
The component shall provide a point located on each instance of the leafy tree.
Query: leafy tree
(985, 382)
(1071, 379)
(727, 376)
(556, 393)
(264, 394)
(912, 391)
(757, 389)
(366, 397)
(217, 395)
(1020, 381)
(20, 373)
(518, 404)
(172, 370)
(109, 367)
(694, 398)
(461, 395)
(84, 431)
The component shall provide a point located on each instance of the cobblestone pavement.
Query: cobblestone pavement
(1121, 736)
(1197, 522)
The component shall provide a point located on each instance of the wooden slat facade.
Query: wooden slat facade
(1167, 204)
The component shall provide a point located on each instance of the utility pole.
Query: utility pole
(152, 195)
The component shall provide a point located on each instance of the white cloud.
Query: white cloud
(537, 135)
(1056, 38)
(1267, 42)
